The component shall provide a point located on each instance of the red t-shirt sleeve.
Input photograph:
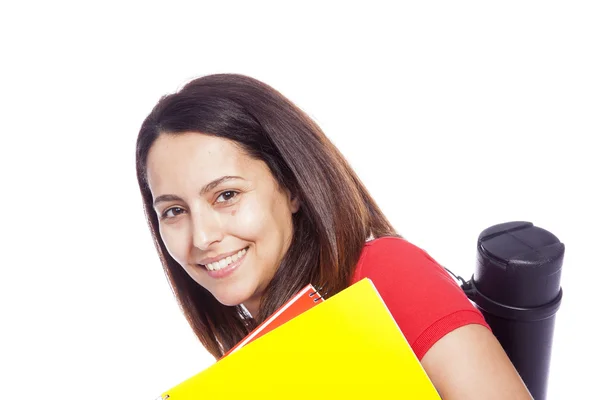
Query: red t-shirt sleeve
(424, 300)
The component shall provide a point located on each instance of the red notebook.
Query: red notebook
(303, 301)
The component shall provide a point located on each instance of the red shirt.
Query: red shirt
(423, 298)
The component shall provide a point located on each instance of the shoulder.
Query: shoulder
(390, 248)
(424, 299)
(397, 258)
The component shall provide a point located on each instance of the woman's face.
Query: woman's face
(222, 216)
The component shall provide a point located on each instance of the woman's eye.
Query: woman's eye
(172, 212)
(227, 196)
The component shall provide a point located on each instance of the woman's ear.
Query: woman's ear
(295, 204)
(294, 201)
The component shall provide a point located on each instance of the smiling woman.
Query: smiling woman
(229, 165)
(248, 202)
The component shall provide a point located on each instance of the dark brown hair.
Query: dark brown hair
(337, 214)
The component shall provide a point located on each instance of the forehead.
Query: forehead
(177, 162)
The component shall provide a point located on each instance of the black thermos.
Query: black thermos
(516, 285)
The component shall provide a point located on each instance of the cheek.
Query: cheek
(176, 241)
(250, 221)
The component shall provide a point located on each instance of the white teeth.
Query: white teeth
(225, 261)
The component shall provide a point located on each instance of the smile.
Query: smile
(225, 266)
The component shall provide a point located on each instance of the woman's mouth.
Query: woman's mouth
(225, 266)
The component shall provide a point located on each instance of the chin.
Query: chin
(231, 298)
(230, 302)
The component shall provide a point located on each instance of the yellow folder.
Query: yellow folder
(348, 347)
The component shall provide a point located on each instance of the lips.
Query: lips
(213, 260)
(226, 270)
(222, 262)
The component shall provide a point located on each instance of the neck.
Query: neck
(251, 308)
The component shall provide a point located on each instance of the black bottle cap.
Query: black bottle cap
(518, 265)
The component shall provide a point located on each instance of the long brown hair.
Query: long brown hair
(337, 214)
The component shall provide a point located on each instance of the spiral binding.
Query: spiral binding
(319, 295)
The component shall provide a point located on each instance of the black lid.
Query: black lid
(518, 264)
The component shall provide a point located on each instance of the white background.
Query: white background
(456, 115)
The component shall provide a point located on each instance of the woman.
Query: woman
(248, 202)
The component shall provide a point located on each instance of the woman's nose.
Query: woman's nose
(206, 230)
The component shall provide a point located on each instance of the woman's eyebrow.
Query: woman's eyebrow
(210, 186)
(166, 197)
(207, 188)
